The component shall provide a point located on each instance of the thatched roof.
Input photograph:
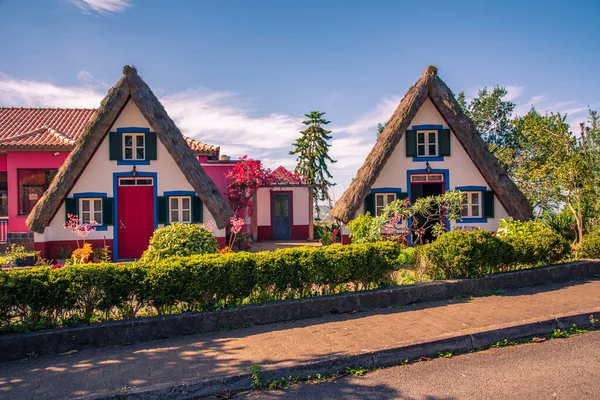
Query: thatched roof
(130, 86)
(432, 87)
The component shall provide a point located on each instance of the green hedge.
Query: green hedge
(533, 242)
(590, 247)
(45, 297)
(459, 254)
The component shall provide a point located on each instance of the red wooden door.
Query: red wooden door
(135, 217)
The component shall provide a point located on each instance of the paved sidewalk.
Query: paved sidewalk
(223, 354)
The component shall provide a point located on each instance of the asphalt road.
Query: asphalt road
(555, 369)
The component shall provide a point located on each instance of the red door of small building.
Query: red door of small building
(135, 216)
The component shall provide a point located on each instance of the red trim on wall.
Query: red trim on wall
(221, 242)
(265, 232)
(300, 232)
(49, 250)
(346, 239)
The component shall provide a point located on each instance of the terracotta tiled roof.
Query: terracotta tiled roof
(57, 128)
(38, 128)
(200, 148)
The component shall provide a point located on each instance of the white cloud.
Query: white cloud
(103, 7)
(218, 118)
(221, 117)
(18, 92)
(381, 113)
(513, 92)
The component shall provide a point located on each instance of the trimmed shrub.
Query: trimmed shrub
(590, 247)
(459, 254)
(533, 242)
(45, 297)
(180, 240)
(407, 256)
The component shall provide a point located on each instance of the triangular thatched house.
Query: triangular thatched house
(428, 147)
(131, 171)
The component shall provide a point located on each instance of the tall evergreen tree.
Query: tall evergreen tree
(312, 154)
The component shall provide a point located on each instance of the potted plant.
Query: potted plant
(63, 254)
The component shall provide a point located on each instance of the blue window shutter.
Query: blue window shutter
(107, 211)
(163, 209)
(488, 204)
(151, 146)
(444, 140)
(115, 141)
(411, 143)
(196, 209)
(71, 207)
(370, 204)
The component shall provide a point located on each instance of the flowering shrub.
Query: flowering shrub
(79, 230)
(180, 239)
(247, 175)
(82, 255)
(401, 218)
(237, 224)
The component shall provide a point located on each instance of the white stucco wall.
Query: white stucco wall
(300, 207)
(98, 177)
(462, 171)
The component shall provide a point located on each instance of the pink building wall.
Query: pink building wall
(26, 160)
(3, 163)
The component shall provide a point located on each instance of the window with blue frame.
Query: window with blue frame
(427, 144)
(90, 211)
(471, 207)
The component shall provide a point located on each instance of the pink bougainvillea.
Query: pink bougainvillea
(79, 230)
(247, 176)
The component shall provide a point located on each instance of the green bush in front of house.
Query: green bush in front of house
(46, 297)
(181, 240)
(459, 254)
(533, 242)
(590, 247)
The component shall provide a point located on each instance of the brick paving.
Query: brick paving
(220, 354)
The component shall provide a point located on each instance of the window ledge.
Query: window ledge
(423, 159)
(133, 162)
(472, 220)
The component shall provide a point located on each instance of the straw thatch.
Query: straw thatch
(432, 87)
(130, 86)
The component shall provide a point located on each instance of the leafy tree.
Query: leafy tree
(491, 115)
(553, 167)
(381, 128)
(312, 150)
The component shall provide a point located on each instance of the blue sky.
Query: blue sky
(241, 74)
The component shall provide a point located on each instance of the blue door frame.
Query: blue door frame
(281, 215)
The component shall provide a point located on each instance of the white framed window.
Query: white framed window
(136, 182)
(382, 200)
(180, 209)
(471, 205)
(134, 146)
(90, 210)
(427, 178)
(427, 144)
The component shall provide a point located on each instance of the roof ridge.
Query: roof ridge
(23, 135)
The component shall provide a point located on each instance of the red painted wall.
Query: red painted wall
(217, 172)
(49, 250)
(25, 160)
(2, 162)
